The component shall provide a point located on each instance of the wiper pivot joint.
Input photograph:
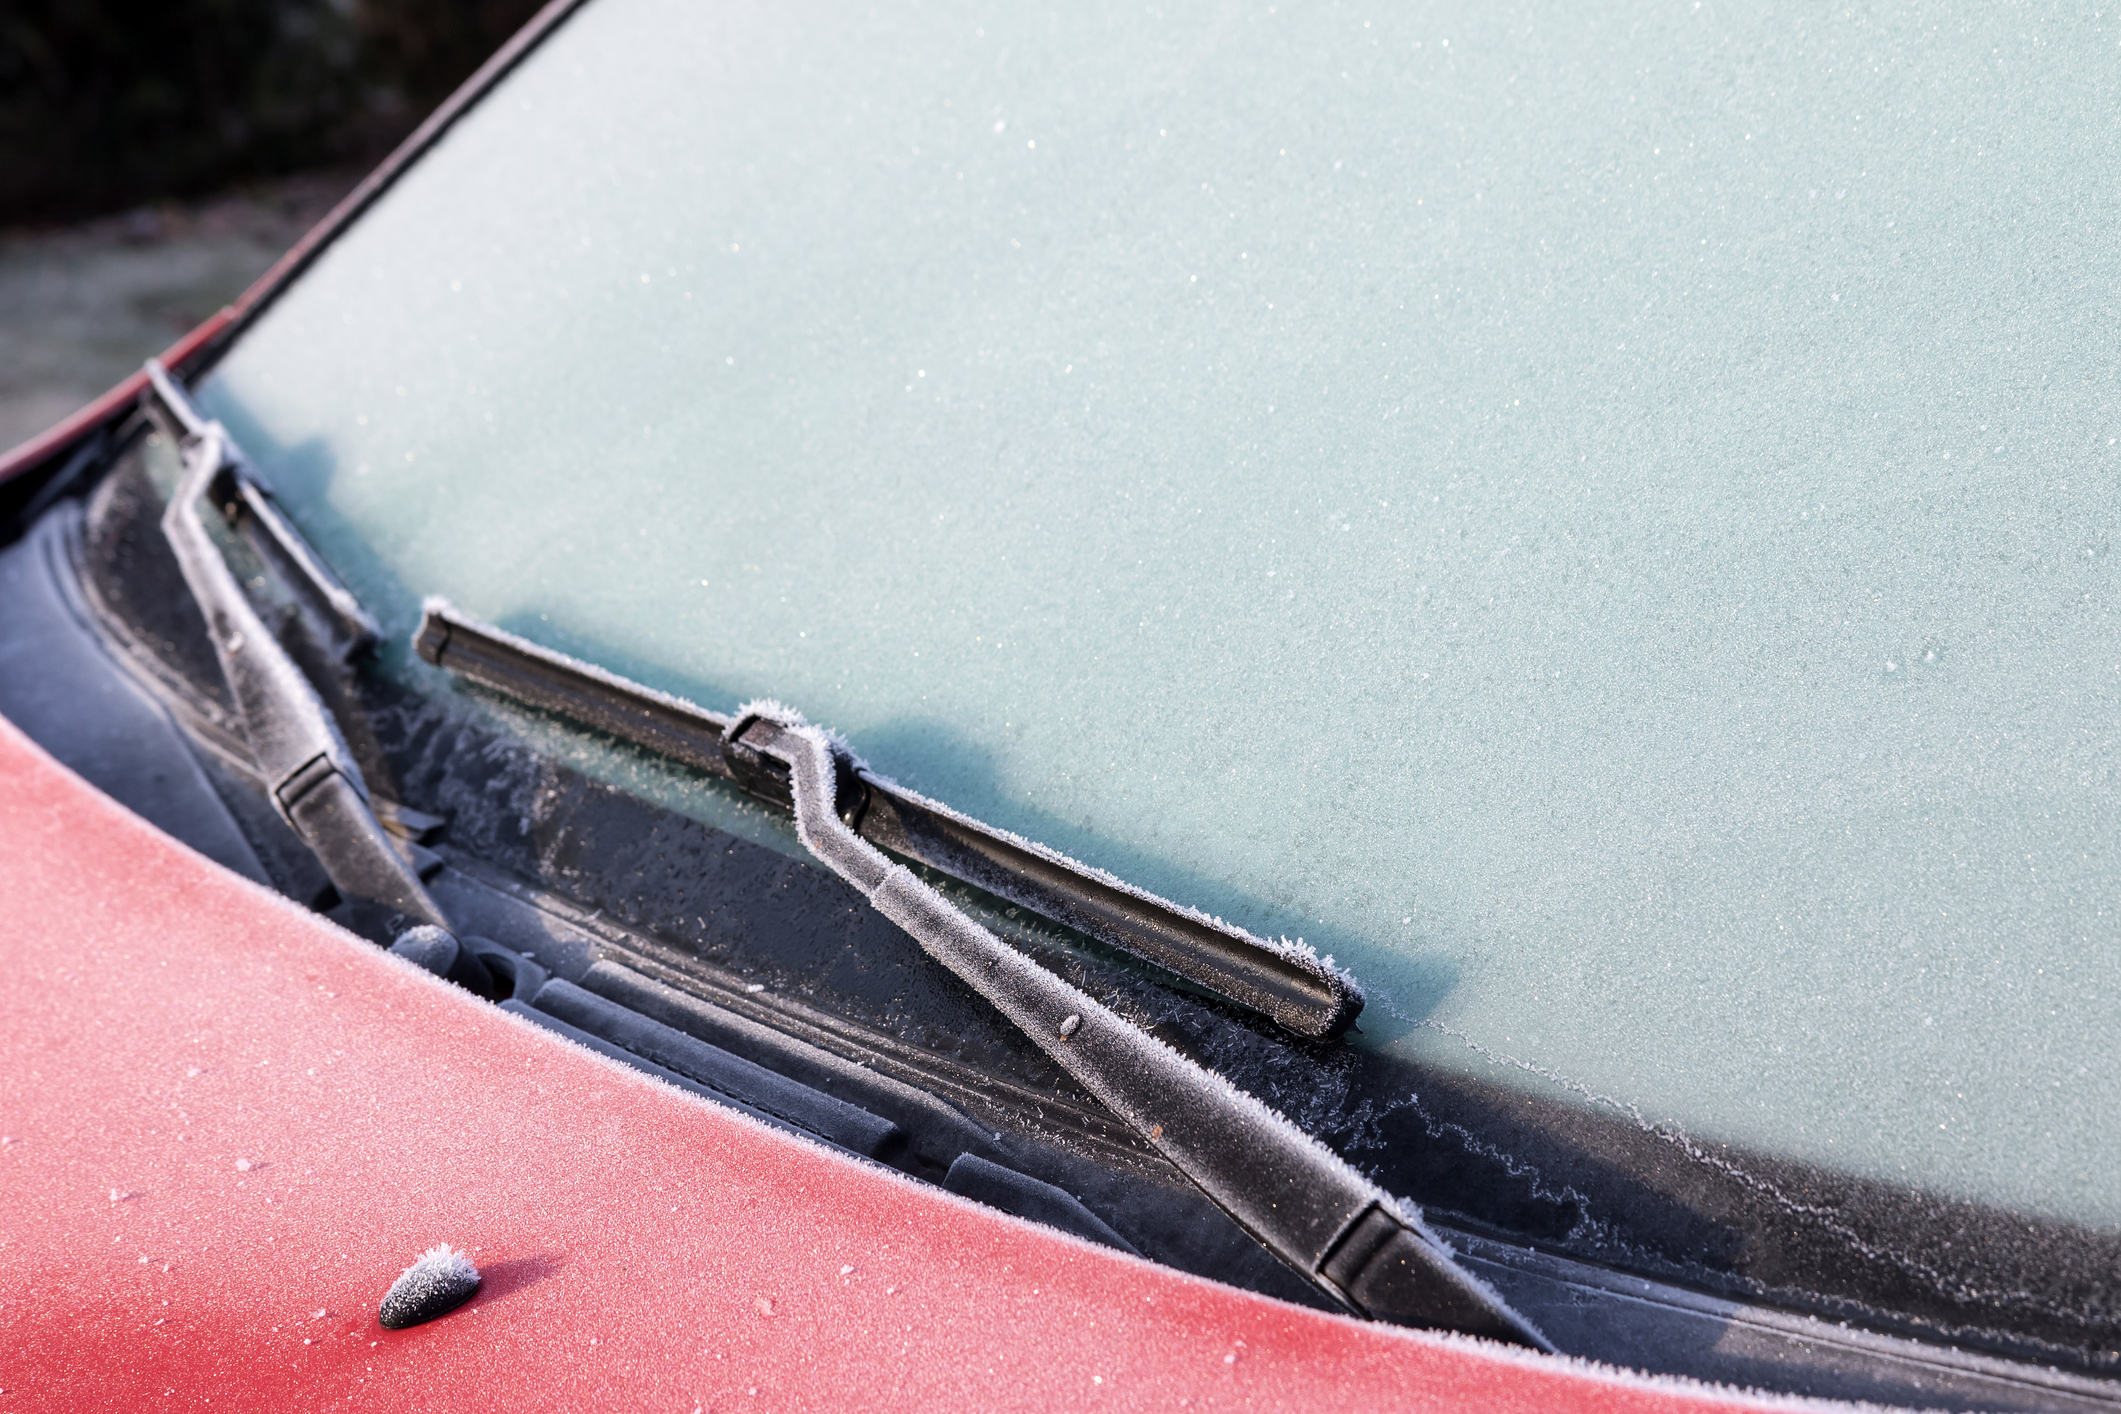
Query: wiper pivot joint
(761, 774)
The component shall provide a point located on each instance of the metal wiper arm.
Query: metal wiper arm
(309, 773)
(1292, 985)
(1341, 1232)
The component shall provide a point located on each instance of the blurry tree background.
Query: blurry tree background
(108, 104)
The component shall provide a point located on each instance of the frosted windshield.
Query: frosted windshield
(1600, 518)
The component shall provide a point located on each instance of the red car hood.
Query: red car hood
(229, 1125)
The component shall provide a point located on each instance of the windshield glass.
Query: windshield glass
(1598, 519)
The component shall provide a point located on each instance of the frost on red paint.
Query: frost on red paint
(638, 1248)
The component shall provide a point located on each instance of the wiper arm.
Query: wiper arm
(309, 772)
(1344, 1234)
(1298, 1199)
(1290, 984)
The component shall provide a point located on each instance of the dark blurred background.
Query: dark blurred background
(156, 158)
(109, 104)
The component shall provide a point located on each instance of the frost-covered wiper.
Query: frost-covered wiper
(1341, 1232)
(309, 773)
(1290, 983)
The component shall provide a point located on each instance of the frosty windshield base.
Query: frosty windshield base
(310, 775)
(1296, 1197)
(1300, 991)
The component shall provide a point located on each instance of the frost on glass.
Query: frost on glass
(1598, 517)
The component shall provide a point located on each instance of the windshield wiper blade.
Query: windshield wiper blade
(309, 772)
(1291, 984)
